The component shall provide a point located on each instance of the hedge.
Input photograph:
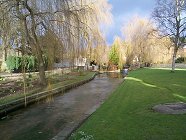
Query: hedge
(17, 63)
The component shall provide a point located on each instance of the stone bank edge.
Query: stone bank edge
(20, 103)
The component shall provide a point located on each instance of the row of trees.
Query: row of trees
(69, 28)
(153, 41)
(62, 28)
(142, 44)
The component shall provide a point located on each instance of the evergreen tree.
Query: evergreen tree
(114, 54)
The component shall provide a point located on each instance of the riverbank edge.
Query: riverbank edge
(12, 106)
(68, 130)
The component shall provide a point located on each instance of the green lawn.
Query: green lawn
(127, 114)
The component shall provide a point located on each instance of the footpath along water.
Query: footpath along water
(56, 118)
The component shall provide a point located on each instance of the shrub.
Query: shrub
(4, 67)
(13, 63)
(2, 78)
(29, 62)
(180, 60)
(16, 63)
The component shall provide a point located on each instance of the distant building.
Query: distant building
(66, 63)
(81, 61)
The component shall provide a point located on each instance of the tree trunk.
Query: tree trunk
(173, 62)
(42, 78)
(174, 59)
(4, 48)
(41, 66)
(35, 42)
(5, 54)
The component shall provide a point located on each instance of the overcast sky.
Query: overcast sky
(124, 10)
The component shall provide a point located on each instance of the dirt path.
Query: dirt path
(56, 119)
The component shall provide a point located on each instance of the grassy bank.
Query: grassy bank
(127, 114)
(55, 81)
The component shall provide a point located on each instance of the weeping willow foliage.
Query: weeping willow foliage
(143, 43)
(52, 28)
(75, 25)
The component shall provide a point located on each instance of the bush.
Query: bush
(16, 63)
(180, 60)
(2, 78)
(4, 67)
(13, 62)
(29, 62)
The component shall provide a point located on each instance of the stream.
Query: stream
(61, 114)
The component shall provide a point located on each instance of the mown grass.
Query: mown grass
(128, 114)
(55, 83)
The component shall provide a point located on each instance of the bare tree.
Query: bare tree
(171, 20)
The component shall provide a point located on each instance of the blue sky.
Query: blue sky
(124, 10)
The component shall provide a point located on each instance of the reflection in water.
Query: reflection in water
(114, 75)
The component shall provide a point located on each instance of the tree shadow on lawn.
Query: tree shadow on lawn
(177, 96)
(141, 82)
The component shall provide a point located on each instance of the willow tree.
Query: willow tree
(171, 20)
(7, 33)
(137, 34)
(95, 39)
(143, 43)
(71, 21)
